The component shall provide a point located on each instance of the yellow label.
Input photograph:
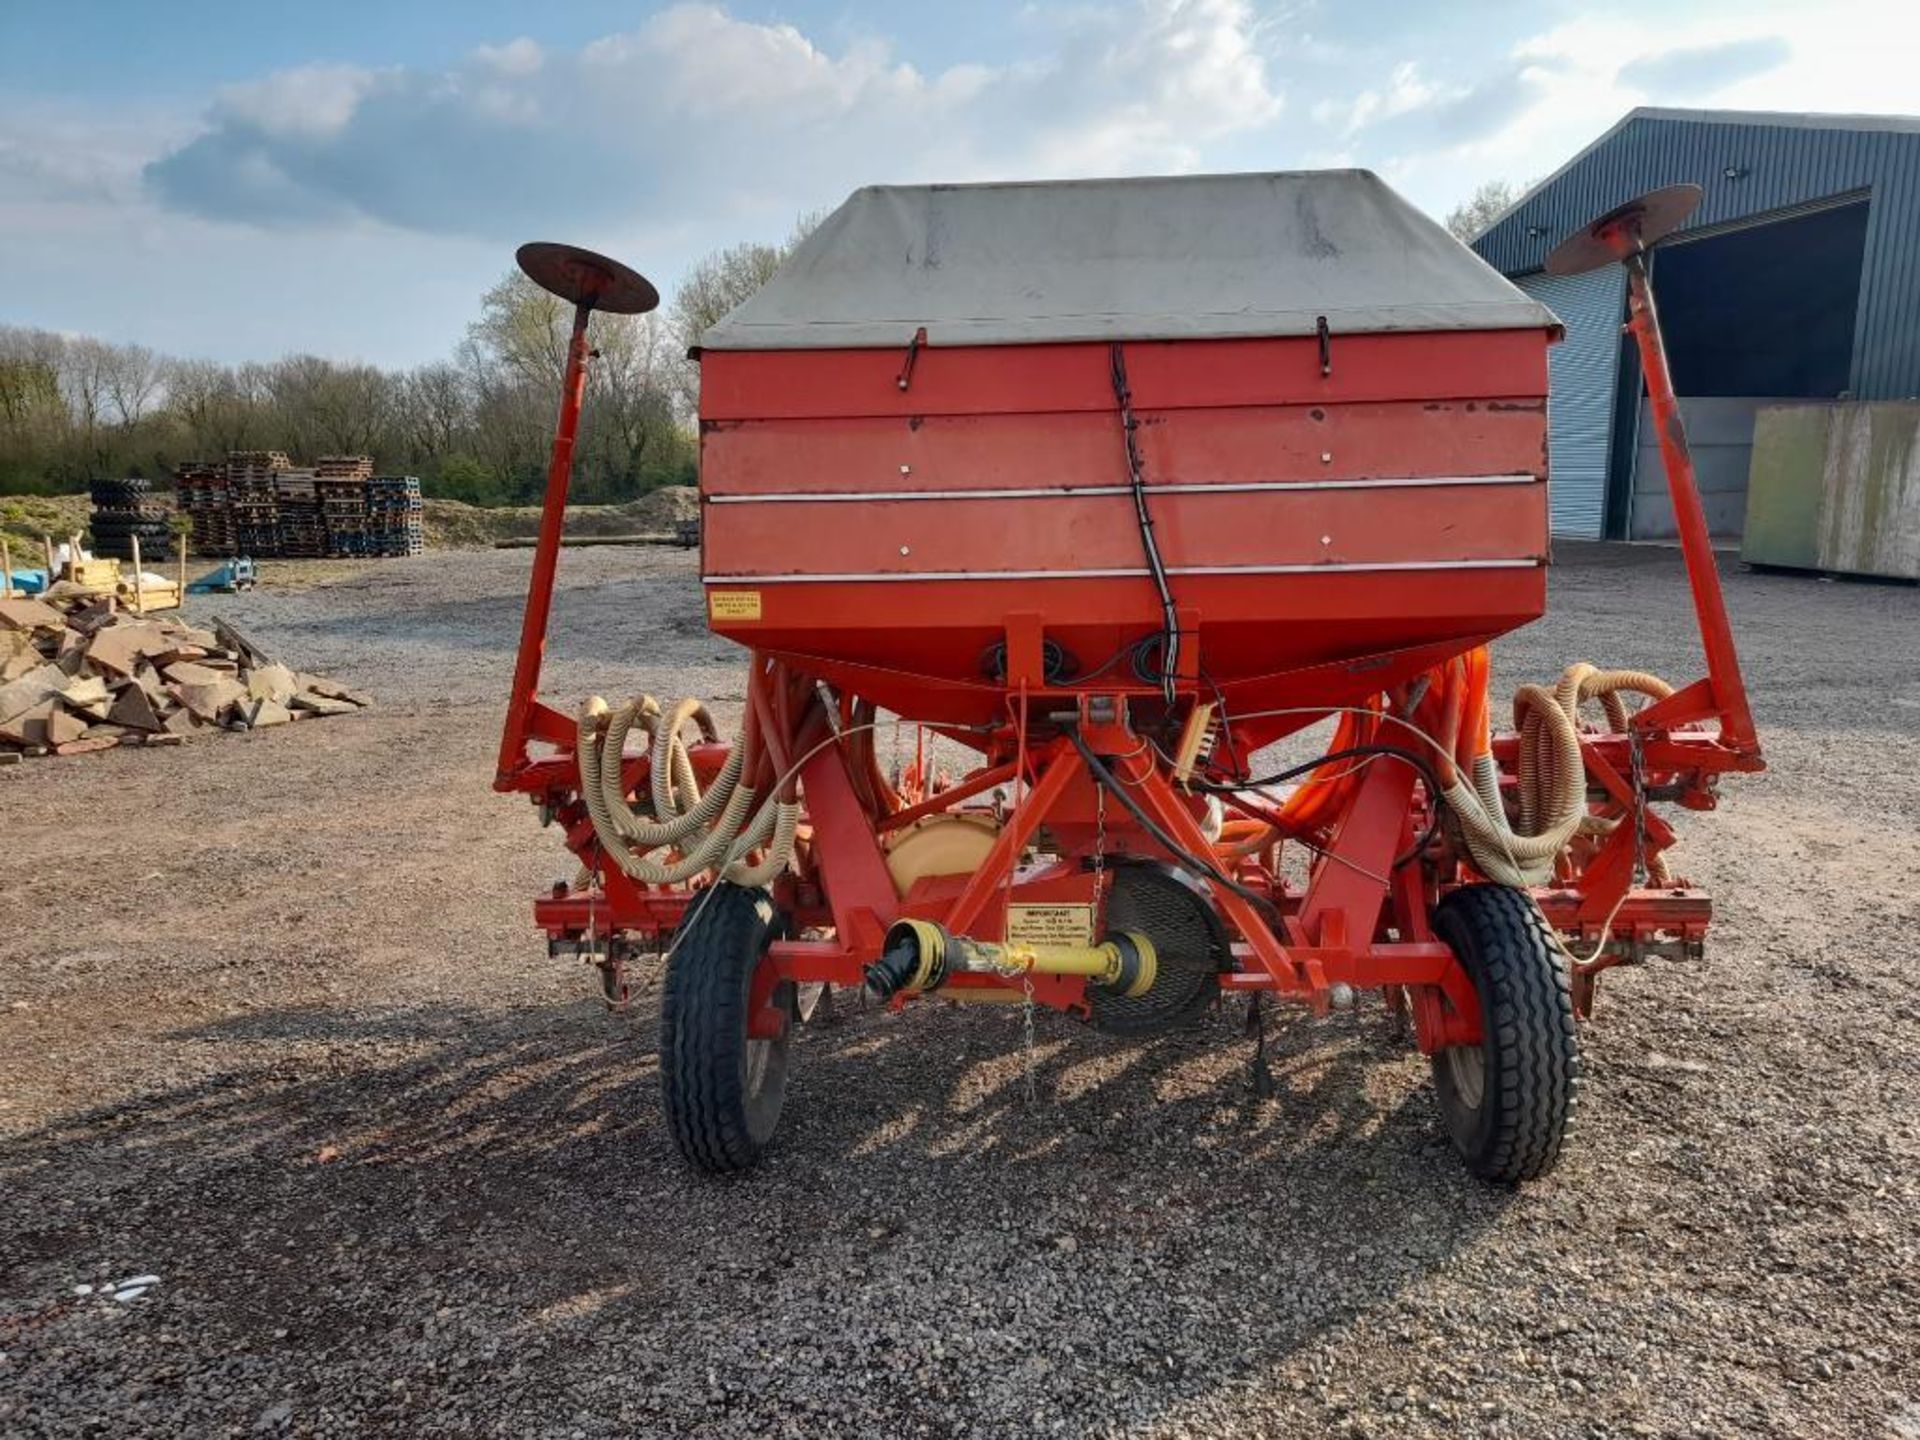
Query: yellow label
(1050, 924)
(733, 604)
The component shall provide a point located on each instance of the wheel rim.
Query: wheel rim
(1467, 1068)
(760, 1058)
(763, 1066)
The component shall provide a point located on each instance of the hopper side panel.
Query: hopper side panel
(1407, 524)
(1025, 379)
(1231, 445)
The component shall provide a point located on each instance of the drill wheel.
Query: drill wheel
(1191, 945)
(723, 1087)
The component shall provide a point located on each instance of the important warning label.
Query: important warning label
(1050, 924)
(733, 604)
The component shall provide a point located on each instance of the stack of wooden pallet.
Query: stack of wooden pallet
(77, 673)
(260, 504)
(394, 515)
(297, 495)
(200, 488)
(341, 481)
(253, 501)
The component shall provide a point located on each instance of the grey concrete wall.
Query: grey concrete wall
(1720, 435)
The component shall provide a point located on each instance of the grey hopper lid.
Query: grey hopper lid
(1158, 258)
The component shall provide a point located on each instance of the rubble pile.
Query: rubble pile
(79, 674)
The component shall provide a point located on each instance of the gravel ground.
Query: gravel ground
(274, 1028)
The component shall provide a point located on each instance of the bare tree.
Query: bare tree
(436, 407)
(132, 378)
(1472, 219)
(83, 374)
(525, 329)
(206, 403)
(632, 406)
(718, 284)
(30, 380)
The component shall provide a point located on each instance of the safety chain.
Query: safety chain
(608, 993)
(1026, 979)
(1026, 1022)
(1642, 872)
(1099, 845)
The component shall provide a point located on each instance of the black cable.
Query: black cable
(1170, 619)
(1103, 776)
(1352, 752)
(1226, 723)
(1307, 767)
(1131, 648)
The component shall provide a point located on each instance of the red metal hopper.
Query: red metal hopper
(915, 456)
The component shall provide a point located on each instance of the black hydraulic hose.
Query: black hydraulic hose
(1411, 758)
(1105, 777)
(1169, 617)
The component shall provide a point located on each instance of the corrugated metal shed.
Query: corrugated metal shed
(1582, 370)
(1754, 163)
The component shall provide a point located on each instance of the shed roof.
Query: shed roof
(1895, 125)
(1185, 257)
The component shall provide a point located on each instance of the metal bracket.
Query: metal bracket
(905, 378)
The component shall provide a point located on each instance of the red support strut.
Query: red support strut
(1703, 575)
(546, 554)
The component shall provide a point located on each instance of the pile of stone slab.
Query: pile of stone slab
(78, 674)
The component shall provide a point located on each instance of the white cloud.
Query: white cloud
(1576, 79)
(311, 101)
(1405, 91)
(517, 57)
(702, 63)
(395, 193)
(1704, 69)
(56, 157)
(697, 111)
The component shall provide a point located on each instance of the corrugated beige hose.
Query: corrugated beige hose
(1552, 788)
(681, 810)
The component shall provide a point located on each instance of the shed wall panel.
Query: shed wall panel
(1583, 369)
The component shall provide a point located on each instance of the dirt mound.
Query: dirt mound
(25, 518)
(451, 524)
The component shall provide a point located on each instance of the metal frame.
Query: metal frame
(1359, 922)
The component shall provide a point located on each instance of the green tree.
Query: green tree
(715, 286)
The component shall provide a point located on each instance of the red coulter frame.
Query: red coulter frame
(1077, 763)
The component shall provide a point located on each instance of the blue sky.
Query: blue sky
(244, 180)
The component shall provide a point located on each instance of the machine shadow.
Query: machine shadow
(489, 625)
(528, 1143)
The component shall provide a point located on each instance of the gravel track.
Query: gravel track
(274, 1027)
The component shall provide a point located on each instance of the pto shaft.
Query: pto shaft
(921, 955)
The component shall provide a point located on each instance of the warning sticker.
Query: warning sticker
(733, 604)
(1050, 924)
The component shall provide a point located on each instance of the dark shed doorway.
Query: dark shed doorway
(1753, 316)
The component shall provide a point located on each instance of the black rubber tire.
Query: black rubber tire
(119, 547)
(1528, 1065)
(118, 492)
(723, 1091)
